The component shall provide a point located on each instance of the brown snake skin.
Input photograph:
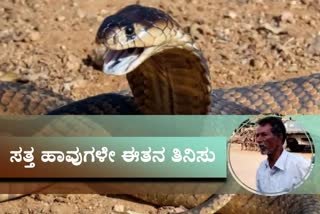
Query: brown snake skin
(17, 99)
(173, 78)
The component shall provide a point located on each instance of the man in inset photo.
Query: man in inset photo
(282, 171)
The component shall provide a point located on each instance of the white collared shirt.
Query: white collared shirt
(288, 172)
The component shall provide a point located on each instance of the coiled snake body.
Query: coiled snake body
(167, 74)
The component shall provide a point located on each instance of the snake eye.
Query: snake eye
(129, 30)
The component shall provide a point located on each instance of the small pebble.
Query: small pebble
(100, 18)
(103, 12)
(312, 23)
(75, 4)
(34, 36)
(231, 15)
(293, 68)
(118, 208)
(293, 3)
(314, 47)
(61, 18)
(287, 17)
(81, 14)
(62, 47)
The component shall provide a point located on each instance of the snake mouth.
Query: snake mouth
(120, 62)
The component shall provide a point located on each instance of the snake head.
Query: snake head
(134, 34)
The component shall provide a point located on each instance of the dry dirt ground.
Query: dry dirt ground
(50, 43)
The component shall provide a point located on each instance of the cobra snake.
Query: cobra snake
(168, 74)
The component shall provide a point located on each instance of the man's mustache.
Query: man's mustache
(262, 146)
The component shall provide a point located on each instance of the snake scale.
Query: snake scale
(168, 74)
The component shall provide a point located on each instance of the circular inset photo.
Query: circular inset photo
(270, 154)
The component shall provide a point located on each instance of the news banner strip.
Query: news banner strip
(66, 133)
(113, 157)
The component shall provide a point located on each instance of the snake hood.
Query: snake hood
(134, 34)
(156, 55)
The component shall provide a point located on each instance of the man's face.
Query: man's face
(267, 141)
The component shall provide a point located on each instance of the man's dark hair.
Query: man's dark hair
(277, 126)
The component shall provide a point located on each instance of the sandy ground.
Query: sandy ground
(245, 164)
(50, 43)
